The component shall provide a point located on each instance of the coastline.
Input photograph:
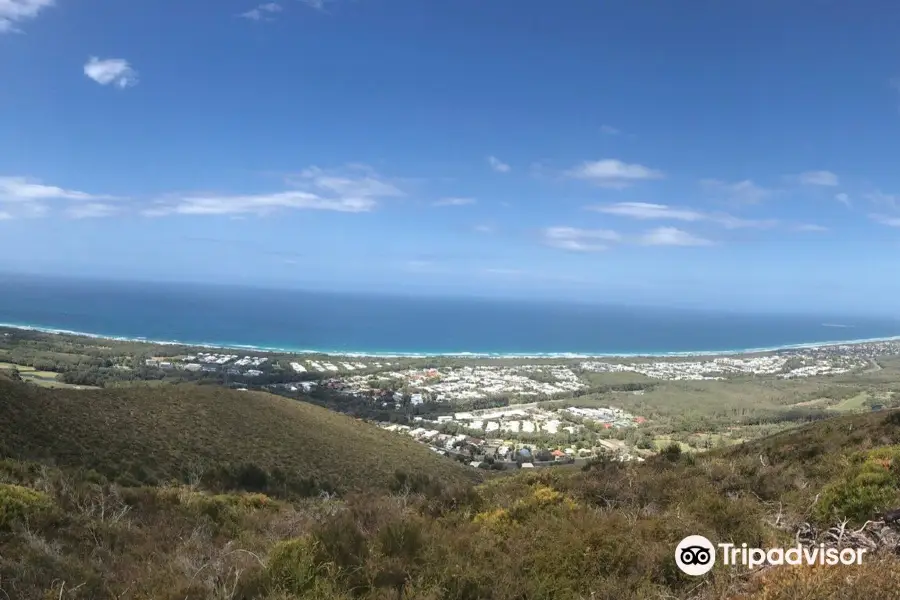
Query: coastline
(471, 355)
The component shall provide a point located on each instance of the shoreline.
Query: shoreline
(463, 355)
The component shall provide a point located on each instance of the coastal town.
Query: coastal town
(529, 379)
(485, 411)
(786, 366)
(489, 440)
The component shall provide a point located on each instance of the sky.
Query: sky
(715, 154)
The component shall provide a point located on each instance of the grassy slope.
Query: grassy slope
(604, 533)
(150, 435)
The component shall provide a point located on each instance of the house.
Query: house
(527, 465)
(193, 367)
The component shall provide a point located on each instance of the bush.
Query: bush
(872, 485)
(293, 566)
(672, 452)
(19, 503)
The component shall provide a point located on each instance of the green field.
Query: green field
(41, 378)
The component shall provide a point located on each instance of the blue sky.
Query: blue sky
(729, 154)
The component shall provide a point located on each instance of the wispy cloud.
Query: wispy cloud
(741, 192)
(671, 236)
(579, 240)
(886, 220)
(92, 210)
(5, 216)
(319, 5)
(662, 212)
(263, 11)
(647, 211)
(843, 198)
(884, 201)
(261, 204)
(498, 165)
(483, 229)
(824, 178)
(111, 71)
(455, 201)
(13, 12)
(812, 227)
(353, 189)
(597, 240)
(26, 189)
(613, 173)
(609, 130)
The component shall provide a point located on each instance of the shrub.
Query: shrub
(871, 485)
(672, 451)
(293, 565)
(401, 539)
(497, 520)
(19, 503)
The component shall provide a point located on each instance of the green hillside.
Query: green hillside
(223, 438)
(605, 532)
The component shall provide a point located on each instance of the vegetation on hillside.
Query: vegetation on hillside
(605, 532)
(219, 438)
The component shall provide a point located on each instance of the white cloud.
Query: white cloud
(319, 5)
(17, 11)
(5, 216)
(609, 130)
(92, 210)
(579, 240)
(670, 236)
(25, 189)
(260, 12)
(731, 222)
(661, 212)
(483, 229)
(111, 71)
(354, 189)
(613, 173)
(811, 227)
(843, 198)
(644, 210)
(742, 192)
(498, 165)
(263, 204)
(455, 201)
(886, 220)
(826, 178)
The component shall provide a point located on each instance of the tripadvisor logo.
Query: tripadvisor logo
(695, 555)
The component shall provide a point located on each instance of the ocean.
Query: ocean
(294, 320)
